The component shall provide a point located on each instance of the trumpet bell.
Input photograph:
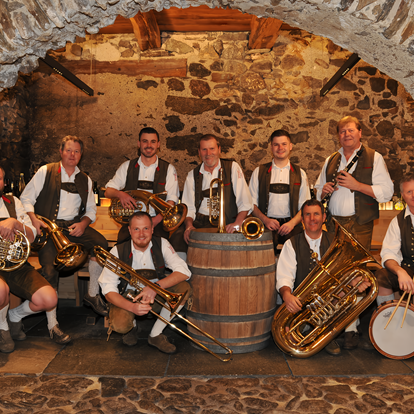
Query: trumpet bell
(252, 228)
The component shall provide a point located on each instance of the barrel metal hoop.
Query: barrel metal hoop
(233, 272)
(237, 349)
(235, 247)
(231, 318)
(228, 237)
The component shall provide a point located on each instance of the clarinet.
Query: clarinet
(346, 169)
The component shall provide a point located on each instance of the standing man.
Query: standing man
(291, 272)
(397, 253)
(354, 201)
(279, 188)
(150, 255)
(63, 194)
(149, 173)
(237, 199)
(25, 281)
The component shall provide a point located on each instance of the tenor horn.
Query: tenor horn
(173, 216)
(13, 254)
(216, 204)
(69, 255)
(328, 296)
(172, 300)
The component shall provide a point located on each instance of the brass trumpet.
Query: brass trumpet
(69, 255)
(172, 300)
(252, 228)
(173, 216)
(13, 254)
(216, 204)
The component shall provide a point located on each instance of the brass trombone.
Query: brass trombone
(173, 300)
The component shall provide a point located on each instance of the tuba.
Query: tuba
(172, 300)
(13, 254)
(69, 255)
(173, 216)
(329, 298)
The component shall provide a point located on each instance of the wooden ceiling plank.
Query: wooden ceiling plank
(146, 30)
(263, 32)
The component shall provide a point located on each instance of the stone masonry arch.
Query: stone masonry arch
(380, 31)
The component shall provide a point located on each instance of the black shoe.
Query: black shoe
(59, 336)
(333, 348)
(131, 338)
(16, 330)
(96, 303)
(6, 342)
(351, 340)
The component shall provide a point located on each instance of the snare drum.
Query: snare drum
(394, 342)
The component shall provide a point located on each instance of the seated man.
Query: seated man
(397, 255)
(150, 255)
(291, 272)
(25, 281)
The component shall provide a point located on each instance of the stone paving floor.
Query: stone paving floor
(92, 375)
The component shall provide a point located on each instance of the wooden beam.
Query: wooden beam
(263, 32)
(158, 68)
(146, 30)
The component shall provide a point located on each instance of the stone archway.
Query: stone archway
(380, 31)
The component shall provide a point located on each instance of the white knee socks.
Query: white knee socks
(159, 325)
(95, 270)
(3, 321)
(17, 314)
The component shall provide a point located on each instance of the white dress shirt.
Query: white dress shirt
(391, 245)
(20, 213)
(342, 202)
(69, 203)
(279, 205)
(287, 263)
(147, 174)
(240, 189)
(143, 260)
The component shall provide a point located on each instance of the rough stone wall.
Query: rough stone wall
(380, 31)
(239, 95)
(14, 135)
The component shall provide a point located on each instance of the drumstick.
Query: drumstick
(395, 310)
(406, 308)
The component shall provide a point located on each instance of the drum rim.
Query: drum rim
(379, 309)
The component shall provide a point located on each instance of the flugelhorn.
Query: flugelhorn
(328, 297)
(172, 300)
(216, 204)
(13, 254)
(69, 255)
(173, 216)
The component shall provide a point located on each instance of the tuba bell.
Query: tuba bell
(69, 255)
(173, 216)
(328, 297)
(13, 254)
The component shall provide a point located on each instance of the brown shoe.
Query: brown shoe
(59, 336)
(96, 303)
(131, 338)
(351, 340)
(16, 330)
(6, 342)
(161, 342)
(333, 348)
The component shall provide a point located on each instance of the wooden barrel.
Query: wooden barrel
(234, 282)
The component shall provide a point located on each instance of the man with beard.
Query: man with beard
(150, 173)
(63, 194)
(25, 281)
(237, 199)
(149, 254)
(279, 188)
(296, 260)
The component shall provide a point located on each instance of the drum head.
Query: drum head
(394, 342)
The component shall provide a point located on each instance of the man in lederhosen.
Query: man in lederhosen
(63, 194)
(25, 281)
(354, 201)
(150, 173)
(279, 188)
